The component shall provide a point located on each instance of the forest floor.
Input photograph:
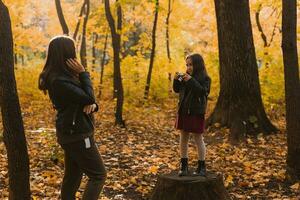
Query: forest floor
(134, 156)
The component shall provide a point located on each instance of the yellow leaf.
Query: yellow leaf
(133, 180)
(247, 164)
(295, 186)
(153, 169)
(228, 180)
(248, 170)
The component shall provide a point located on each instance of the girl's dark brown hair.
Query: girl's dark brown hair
(60, 49)
(199, 70)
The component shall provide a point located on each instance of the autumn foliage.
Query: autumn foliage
(134, 155)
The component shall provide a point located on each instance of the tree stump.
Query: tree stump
(172, 187)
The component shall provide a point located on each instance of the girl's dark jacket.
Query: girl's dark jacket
(69, 97)
(194, 102)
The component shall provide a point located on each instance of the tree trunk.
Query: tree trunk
(262, 34)
(239, 105)
(77, 42)
(170, 83)
(147, 88)
(168, 31)
(292, 86)
(116, 43)
(102, 64)
(13, 130)
(171, 186)
(94, 40)
(83, 38)
(23, 59)
(78, 21)
(61, 17)
(260, 29)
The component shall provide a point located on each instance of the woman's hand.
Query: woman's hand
(186, 77)
(179, 76)
(89, 108)
(75, 65)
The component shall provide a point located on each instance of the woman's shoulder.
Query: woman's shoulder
(60, 76)
(63, 78)
(203, 78)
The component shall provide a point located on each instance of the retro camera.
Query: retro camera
(180, 76)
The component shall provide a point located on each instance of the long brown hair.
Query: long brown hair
(60, 49)
(199, 70)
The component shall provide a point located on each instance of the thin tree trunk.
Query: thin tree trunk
(260, 29)
(23, 59)
(61, 17)
(292, 86)
(102, 64)
(83, 38)
(116, 43)
(79, 20)
(78, 42)
(94, 40)
(168, 31)
(273, 31)
(239, 105)
(13, 129)
(147, 88)
(262, 34)
(170, 83)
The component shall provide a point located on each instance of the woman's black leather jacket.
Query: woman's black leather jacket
(69, 96)
(192, 95)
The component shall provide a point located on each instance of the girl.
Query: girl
(193, 88)
(71, 92)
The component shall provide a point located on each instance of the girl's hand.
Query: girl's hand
(89, 108)
(186, 77)
(75, 65)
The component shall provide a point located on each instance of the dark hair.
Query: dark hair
(60, 49)
(199, 70)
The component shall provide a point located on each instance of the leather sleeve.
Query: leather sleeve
(176, 85)
(200, 88)
(72, 93)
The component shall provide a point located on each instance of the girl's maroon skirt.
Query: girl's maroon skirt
(190, 123)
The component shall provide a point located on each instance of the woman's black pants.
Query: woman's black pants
(80, 158)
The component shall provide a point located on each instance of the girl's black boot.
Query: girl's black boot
(183, 167)
(201, 169)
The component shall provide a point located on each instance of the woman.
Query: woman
(193, 88)
(71, 92)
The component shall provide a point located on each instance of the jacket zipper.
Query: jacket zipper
(74, 119)
(189, 105)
